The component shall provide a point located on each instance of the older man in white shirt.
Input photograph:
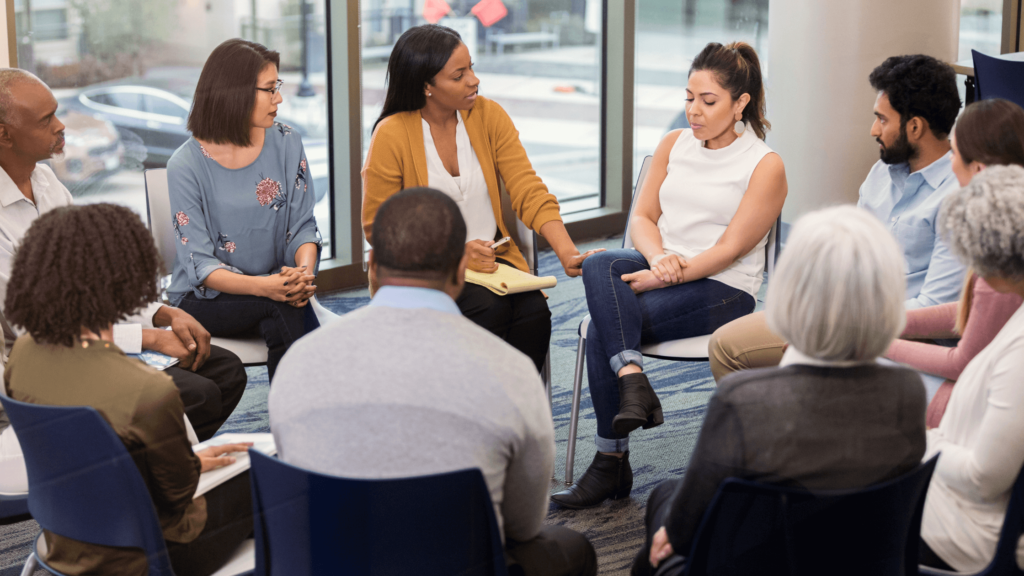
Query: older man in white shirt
(211, 379)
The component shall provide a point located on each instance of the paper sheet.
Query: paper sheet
(264, 442)
(509, 280)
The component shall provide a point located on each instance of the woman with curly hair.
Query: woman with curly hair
(981, 436)
(242, 202)
(79, 270)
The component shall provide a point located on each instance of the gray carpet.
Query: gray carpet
(615, 528)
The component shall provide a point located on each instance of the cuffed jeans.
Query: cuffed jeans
(621, 322)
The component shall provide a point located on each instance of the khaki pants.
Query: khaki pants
(742, 344)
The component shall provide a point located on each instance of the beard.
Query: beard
(54, 154)
(901, 151)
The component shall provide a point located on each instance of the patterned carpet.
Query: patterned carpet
(615, 528)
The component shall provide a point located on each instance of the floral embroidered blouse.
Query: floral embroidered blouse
(248, 220)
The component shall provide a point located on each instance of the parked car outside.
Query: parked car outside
(156, 112)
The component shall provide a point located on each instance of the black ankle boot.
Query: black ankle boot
(638, 405)
(607, 477)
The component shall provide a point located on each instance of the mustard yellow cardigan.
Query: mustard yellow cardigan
(397, 160)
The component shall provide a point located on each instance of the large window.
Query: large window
(981, 27)
(541, 61)
(669, 34)
(124, 73)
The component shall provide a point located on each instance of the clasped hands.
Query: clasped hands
(481, 258)
(292, 285)
(666, 270)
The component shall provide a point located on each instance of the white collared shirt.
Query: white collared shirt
(16, 216)
(794, 356)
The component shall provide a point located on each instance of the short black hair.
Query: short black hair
(919, 85)
(419, 233)
(81, 266)
(419, 54)
(226, 92)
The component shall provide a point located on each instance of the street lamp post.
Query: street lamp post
(305, 88)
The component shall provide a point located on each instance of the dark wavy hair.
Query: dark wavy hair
(922, 86)
(419, 233)
(991, 132)
(81, 266)
(420, 53)
(738, 69)
(226, 93)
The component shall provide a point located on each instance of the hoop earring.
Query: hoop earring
(739, 127)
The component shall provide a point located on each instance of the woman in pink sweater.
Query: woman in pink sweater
(989, 132)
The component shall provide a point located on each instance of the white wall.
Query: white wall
(819, 99)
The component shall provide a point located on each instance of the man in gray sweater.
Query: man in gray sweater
(409, 387)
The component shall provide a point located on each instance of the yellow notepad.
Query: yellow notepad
(509, 280)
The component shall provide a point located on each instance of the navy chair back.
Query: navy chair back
(998, 78)
(83, 484)
(754, 528)
(310, 524)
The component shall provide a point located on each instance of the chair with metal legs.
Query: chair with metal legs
(686, 349)
(251, 351)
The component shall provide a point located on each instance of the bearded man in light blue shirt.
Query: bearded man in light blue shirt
(916, 107)
(915, 110)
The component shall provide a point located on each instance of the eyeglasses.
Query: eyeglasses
(273, 91)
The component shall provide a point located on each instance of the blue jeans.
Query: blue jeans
(621, 322)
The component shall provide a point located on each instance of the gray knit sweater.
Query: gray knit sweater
(389, 393)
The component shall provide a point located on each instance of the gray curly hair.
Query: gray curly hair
(983, 224)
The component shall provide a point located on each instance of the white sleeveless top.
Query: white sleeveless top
(701, 194)
(469, 189)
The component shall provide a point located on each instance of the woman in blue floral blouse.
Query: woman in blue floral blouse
(242, 202)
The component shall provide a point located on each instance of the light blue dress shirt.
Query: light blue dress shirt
(413, 297)
(908, 204)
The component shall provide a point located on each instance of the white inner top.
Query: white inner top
(469, 189)
(701, 194)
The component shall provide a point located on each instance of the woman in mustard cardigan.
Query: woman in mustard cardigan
(435, 131)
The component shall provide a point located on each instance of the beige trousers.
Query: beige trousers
(742, 344)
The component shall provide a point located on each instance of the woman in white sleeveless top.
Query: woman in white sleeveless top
(699, 227)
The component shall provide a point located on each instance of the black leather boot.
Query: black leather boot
(638, 405)
(607, 477)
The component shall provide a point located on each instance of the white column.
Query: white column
(5, 40)
(820, 53)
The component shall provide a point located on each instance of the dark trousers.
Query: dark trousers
(556, 551)
(927, 557)
(228, 524)
(523, 320)
(230, 315)
(211, 393)
(659, 503)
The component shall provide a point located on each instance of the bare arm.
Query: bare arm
(643, 225)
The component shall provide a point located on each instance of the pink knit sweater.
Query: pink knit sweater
(989, 311)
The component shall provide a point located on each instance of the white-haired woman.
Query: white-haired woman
(837, 297)
(981, 436)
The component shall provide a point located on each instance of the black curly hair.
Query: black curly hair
(81, 266)
(919, 85)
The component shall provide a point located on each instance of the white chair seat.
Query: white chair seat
(251, 351)
(243, 561)
(682, 349)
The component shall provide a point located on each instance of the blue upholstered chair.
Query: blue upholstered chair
(998, 78)
(310, 524)
(83, 483)
(765, 529)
